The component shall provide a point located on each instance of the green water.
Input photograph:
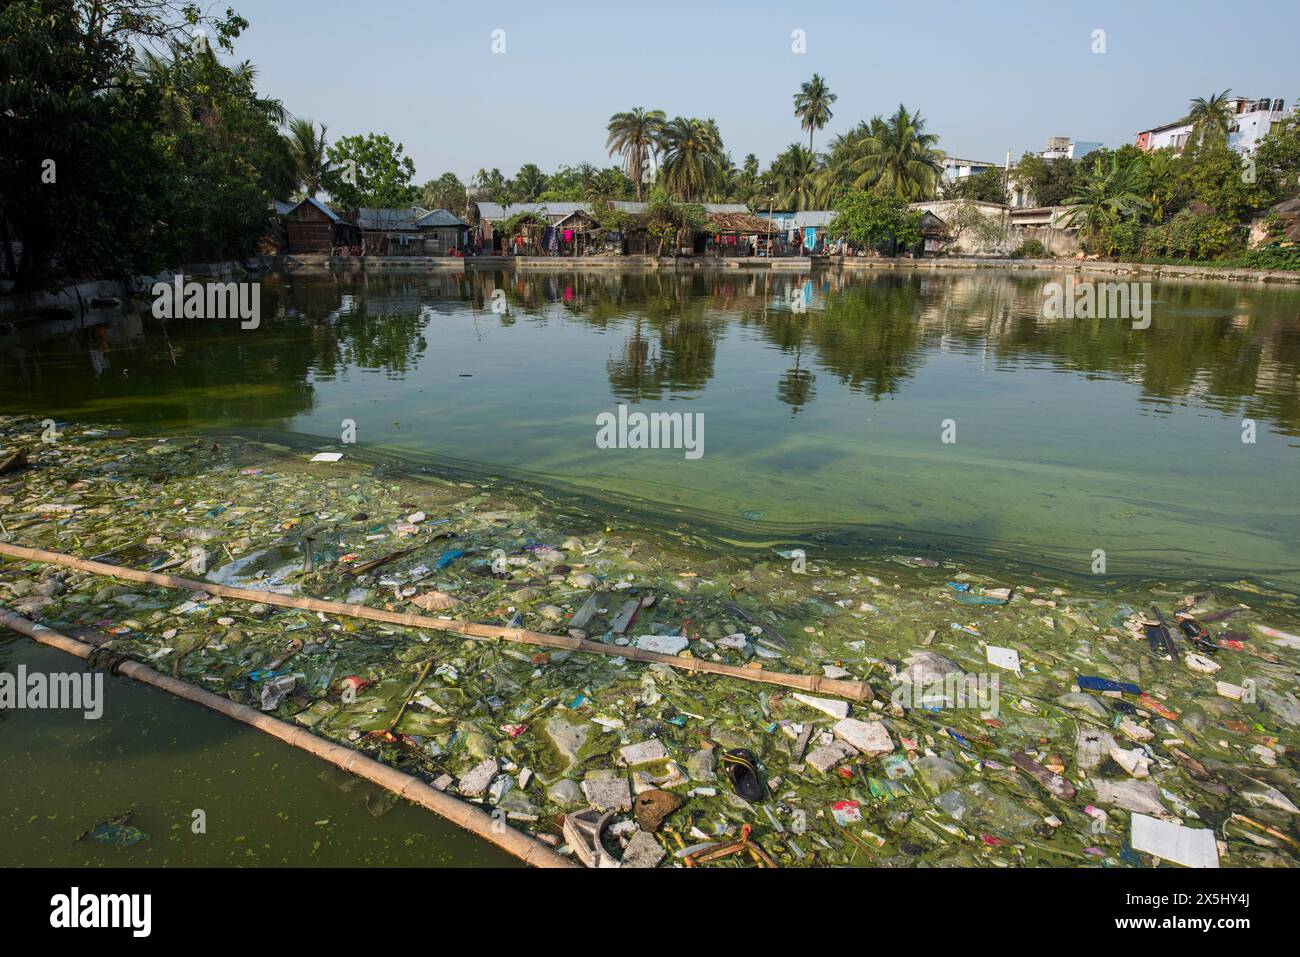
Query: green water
(263, 802)
(822, 424)
(1071, 435)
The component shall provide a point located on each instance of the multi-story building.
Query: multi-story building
(1063, 147)
(1252, 120)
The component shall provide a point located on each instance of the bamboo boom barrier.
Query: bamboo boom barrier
(405, 786)
(853, 690)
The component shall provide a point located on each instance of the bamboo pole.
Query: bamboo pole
(853, 690)
(459, 812)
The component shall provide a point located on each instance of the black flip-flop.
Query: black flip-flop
(1198, 635)
(742, 771)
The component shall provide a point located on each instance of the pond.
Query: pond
(915, 410)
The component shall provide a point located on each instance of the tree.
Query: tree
(308, 148)
(498, 188)
(1106, 195)
(369, 171)
(985, 187)
(1159, 182)
(637, 136)
(81, 130)
(795, 178)
(872, 220)
(665, 220)
(894, 156)
(1210, 118)
(1050, 181)
(812, 105)
(693, 155)
(530, 183)
(445, 192)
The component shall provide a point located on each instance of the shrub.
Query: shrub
(1030, 249)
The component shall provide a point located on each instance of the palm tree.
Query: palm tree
(1157, 182)
(894, 155)
(605, 184)
(530, 182)
(308, 149)
(796, 179)
(636, 135)
(812, 104)
(1210, 118)
(498, 188)
(1107, 195)
(693, 156)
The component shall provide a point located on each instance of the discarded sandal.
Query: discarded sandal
(743, 773)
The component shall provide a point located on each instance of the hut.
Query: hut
(733, 231)
(391, 232)
(443, 233)
(314, 228)
(808, 229)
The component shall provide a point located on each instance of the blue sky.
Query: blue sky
(988, 78)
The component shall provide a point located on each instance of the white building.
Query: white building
(1252, 120)
(1063, 147)
(955, 168)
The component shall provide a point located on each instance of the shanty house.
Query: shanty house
(312, 227)
(443, 232)
(391, 232)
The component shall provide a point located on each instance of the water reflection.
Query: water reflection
(1234, 350)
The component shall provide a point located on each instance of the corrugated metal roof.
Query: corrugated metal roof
(497, 212)
(813, 217)
(629, 206)
(402, 218)
(725, 208)
(334, 217)
(440, 217)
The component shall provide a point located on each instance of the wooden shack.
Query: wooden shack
(314, 228)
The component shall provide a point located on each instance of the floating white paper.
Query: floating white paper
(327, 456)
(1007, 658)
(1173, 842)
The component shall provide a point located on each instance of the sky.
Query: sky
(988, 78)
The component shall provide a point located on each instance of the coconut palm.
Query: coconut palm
(693, 156)
(308, 149)
(605, 184)
(530, 182)
(796, 178)
(894, 156)
(636, 136)
(812, 105)
(493, 182)
(1106, 195)
(1210, 118)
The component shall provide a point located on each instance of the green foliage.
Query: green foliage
(1193, 235)
(812, 105)
(984, 187)
(1103, 198)
(1271, 257)
(1030, 249)
(894, 156)
(872, 220)
(1050, 181)
(115, 160)
(446, 192)
(369, 170)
